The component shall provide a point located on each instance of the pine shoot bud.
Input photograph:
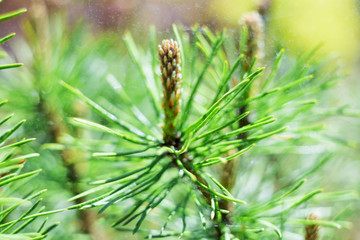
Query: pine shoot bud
(170, 61)
(255, 39)
(312, 231)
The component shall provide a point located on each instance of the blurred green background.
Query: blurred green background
(81, 42)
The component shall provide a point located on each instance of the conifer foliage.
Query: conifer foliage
(175, 175)
(18, 210)
(198, 136)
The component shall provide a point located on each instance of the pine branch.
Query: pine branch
(11, 164)
(56, 128)
(198, 136)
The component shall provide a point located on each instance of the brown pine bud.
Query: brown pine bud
(312, 231)
(169, 56)
(255, 39)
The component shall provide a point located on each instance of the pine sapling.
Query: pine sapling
(180, 162)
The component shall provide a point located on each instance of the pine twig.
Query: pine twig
(170, 66)
(253, 24)
(58, 129)
(312, 231)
